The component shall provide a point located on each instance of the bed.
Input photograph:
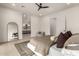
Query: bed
(54, 51)
(40, 45)
(71, 47)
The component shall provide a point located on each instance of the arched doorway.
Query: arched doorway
(12, 31)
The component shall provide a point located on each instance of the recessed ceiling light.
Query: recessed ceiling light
(13, 4)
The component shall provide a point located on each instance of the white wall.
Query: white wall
(52, 26)
(26, 18)
(39, 23)
(72, 17)
(45, 24)
(35, 25)
(6, 16)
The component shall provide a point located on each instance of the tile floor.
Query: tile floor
(8, 49)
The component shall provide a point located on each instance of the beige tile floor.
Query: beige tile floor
(8, 49)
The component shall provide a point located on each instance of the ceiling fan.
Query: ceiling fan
(40, 5)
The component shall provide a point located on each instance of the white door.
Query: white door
(52, 26)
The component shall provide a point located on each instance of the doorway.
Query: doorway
(12, 31)
(53, 26)
(26, 25)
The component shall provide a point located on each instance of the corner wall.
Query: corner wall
(8, 15)
(72, 18)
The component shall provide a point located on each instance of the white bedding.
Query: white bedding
(30, 46)
(54, 51)
(70, 52)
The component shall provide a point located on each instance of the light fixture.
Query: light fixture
(13, 4)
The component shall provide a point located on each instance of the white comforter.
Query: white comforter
(54, 51)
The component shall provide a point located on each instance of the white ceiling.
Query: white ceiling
(33, 9)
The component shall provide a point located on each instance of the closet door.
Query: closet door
(52, 26)
(60, 24)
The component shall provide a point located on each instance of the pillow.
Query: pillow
(52, 38)
(55, 41)
(60, 40)
(66, 35)
(70, 34)
(74, 39)
(72, 46)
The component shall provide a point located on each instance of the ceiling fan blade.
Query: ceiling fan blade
(40, 4)
(39, 8)
(45, 7)
(37, 4)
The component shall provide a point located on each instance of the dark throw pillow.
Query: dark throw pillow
(60, 40)
(70, 34)
(67, 35)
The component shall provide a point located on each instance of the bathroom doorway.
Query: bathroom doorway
(53, 26)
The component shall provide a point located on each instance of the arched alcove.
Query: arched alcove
(12, 32)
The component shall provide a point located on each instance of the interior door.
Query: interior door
(52, 26)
